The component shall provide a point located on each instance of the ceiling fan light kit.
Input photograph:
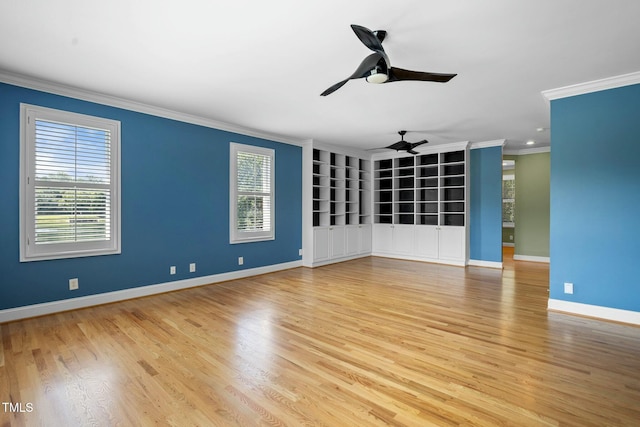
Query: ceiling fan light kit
(377, 76)
(376, 68)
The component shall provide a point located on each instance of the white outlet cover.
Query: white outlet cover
(73, 284)
(240, 260)
(192, 267)
(172, 269)
(568, 288)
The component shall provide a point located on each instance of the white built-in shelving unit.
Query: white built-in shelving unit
(420, 206)
(341, 213)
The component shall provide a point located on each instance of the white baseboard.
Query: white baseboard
(606, 313)
(34, 310)
(489, 264)
(336, 260)
(531, 258)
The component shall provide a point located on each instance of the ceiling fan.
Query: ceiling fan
(375, 68)
(403, 145)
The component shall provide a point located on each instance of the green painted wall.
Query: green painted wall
(532, 204)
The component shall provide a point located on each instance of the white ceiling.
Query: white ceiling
(263, 64)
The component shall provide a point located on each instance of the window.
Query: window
(70, 184)
(252, 196)
(508, 200)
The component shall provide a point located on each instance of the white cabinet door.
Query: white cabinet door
(382, 238)
(337, 241)
(365, 239)
(452, 243)
(320, 243)
(352, 238)
(427, 241)
(403, 239)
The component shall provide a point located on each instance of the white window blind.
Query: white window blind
(252, 207)
(71, 186)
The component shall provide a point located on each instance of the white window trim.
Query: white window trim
(236, 236)
(28, 250)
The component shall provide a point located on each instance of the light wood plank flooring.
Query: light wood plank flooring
(370, 342)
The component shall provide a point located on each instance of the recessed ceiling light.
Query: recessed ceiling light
(540, 129)
(530, 142)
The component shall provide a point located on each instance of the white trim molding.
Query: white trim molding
(488, 264)
(525, 151)
(113, 101)
(531, 258)
(595, 311)
(487, 144)
(592, 86)
(11, 314)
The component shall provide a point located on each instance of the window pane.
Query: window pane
(69, 153)
(508, 199)
(509, 189)
(254, 172)
(65, 215)
(508, 212)
(66, 153)
(254, 213)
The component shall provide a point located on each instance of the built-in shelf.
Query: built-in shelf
(341, 189)
(426, 189)
(420, 206)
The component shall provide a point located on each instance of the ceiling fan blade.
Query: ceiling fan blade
(419, 143)
(368, 38)
(399, 74)
(412, 152)
(400, 145)
(334, 88)
(363, 70)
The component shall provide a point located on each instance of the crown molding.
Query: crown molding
(487, 144)
(525, 151)
(593, 86)
(126, 104)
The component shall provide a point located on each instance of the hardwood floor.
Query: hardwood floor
(370, 342)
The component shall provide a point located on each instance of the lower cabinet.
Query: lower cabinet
(444, 244)
(320, 244)
(338, 243)
(452, 244)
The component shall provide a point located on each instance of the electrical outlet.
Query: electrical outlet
(172, 269)
(300, 252)
(73, 284)
(192, 267)
(240, 260)
(568, 288)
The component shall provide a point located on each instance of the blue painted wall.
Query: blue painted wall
(595, 198)
(175, 209)
(485, 212)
